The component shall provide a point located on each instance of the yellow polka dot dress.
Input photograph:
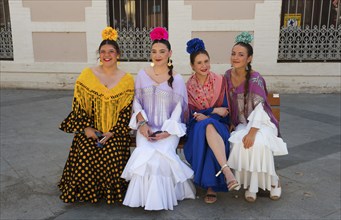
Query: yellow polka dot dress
(92, 173)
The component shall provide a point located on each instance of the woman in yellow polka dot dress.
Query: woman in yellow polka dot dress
(99, 119)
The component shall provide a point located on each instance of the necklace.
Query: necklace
(108, 80)
(157, 74)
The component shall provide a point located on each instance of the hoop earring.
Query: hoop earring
(169, 62)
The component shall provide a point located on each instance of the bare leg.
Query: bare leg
(217, 145)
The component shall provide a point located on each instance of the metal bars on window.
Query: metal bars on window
(133, 19)
(310, 31)
(6, 45)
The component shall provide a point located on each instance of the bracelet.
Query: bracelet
(141, 123)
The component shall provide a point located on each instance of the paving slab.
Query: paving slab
(33, 153)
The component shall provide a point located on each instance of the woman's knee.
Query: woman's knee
(210, 129)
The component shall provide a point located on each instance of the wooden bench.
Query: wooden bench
(273, 99)
(275, 102)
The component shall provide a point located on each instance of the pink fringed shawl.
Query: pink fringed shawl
(205, 96)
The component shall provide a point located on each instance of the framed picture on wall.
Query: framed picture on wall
(292, 20)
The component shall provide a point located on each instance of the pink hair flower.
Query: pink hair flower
(159, 33)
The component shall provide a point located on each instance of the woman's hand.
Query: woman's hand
(222, 111)
(107, 136)
(145, 130)
(90, 133)
(159, 136)
(249, 139)
(199, 116)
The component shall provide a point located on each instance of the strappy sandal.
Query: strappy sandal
(250, 196)
(230, 179)
(210, 198)
(276, 191)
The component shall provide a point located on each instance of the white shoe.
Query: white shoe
(250, 196)
(275, 192)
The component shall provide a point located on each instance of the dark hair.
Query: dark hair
(110, 42)
(195, 54)
(249, 67)
(170, 72)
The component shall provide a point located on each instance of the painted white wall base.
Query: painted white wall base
(62, 76)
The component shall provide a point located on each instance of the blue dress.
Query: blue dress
(200, 155)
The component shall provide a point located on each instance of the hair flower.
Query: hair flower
(109, 33)
(159, 33)
(244, 37)
(195, 45)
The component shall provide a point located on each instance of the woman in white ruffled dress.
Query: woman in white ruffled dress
(158, 178)
(256, 139)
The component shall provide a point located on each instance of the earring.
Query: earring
(247, 68)
(151, 64)
(118, 62)
(100, 63)
(169, 62)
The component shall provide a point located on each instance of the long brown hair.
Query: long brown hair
(170, 67)
(249, 67)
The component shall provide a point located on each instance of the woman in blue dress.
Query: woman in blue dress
(207, 145)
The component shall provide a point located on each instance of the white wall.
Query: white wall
(23, 72)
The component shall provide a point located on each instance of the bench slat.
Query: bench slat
(275, 102)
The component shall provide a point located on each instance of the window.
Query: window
(6, 46)
(134, 19)
(310, 31)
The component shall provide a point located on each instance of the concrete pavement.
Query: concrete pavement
(34, 151)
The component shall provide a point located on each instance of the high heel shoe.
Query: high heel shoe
(231, 181)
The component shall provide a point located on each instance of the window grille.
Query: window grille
(310, 31)
(134, 19)
(6, 45)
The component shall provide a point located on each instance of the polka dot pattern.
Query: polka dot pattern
(92, 173)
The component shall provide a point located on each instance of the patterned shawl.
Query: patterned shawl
(205, 96)
(257, 86)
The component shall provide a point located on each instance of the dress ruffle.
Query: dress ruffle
(158, 177)
(254, 167)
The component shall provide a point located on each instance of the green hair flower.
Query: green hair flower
(244, 37)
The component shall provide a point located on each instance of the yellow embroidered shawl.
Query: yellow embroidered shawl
(100, 103)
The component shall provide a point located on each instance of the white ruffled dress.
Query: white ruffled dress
(254, 167)
(158, 177)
